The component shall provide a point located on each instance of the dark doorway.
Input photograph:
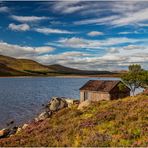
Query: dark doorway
(85, 96)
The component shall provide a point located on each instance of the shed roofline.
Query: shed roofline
(118, 81)
(97, 80)
(115, 85)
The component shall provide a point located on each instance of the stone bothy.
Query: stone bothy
(96, 90)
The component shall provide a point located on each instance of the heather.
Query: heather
(122, 122)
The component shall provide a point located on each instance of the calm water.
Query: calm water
(21, 99)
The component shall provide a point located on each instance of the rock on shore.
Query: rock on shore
(4, 132)
(55, 104)
(84, 104)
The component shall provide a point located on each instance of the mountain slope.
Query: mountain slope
(117, 123)
(66, 70)
(6, 71)
(30, 67)
(22, 64)
(62, 69)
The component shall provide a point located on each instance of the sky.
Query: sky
(89, 35)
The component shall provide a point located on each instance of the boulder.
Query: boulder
(62, 103)
(18, 130)
(70, 101)
(36, 119)
(44, 115)
(56, 104)
(10, 123)
(4, 133)
(24, 126)
(13, 131)
(84, 104)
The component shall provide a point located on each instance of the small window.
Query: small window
(85, 95)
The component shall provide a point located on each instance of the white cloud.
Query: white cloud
(143, 25)
(121, 13)
(95, 33)
(114, 58)
(133, 47)
(94, 44)
(52, 31)
(23, 51)
(21, 27)
(60, 58)
(73, 9)
(29, 18)
(109, 61)
(57, 23)
(135, 54)
(4, 9)
(113, 50)
(74, 42)
(103, 20)
(44, 49)
(121, 6)
(68, 7)
(126, 32)
(132, 18)
(127, 50)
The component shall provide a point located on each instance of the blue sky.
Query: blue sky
(97, 35)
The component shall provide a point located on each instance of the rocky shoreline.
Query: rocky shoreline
(55, 104)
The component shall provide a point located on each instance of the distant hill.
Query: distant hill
(24, 67)
(66, 70)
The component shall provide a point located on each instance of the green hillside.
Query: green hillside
(107, 123)
(7, 71)
(22, 64)
(14, 67)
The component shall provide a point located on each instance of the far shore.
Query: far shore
(66, 76)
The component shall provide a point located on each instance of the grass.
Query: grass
(106, 123)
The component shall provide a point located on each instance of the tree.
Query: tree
(135, 68)
(144, 78)
(135, 78)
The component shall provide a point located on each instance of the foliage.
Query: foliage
(121, 86)
(136, 77)
(144, 78)
(116, 123)
(135, 68)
